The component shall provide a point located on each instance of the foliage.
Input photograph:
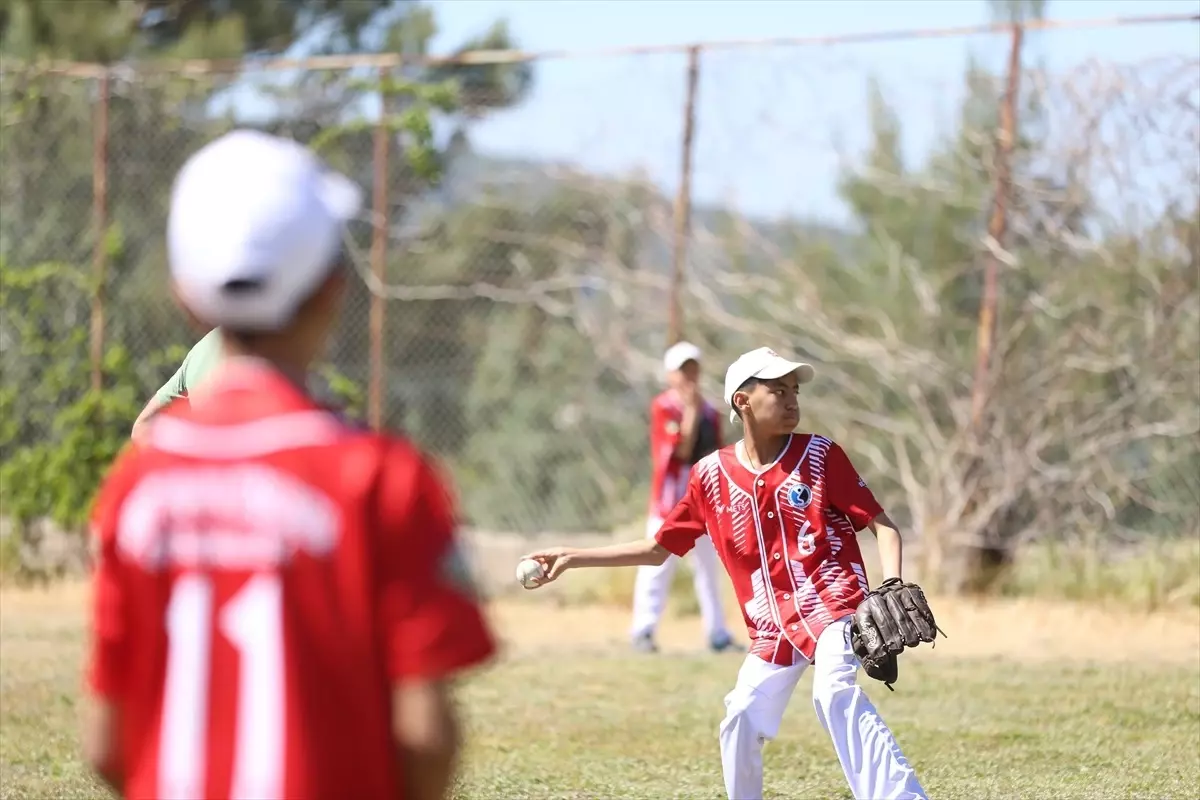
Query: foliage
(526, 302)
(419, 103)
(107, 31)
(345, 394)
(1094, 392)
(58, 435)
(523, 381)
(488, 86)
(1162, 573)
(155, 121)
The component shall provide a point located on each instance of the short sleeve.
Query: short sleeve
(196, 366)
(847, 491)
(107, 662)
(686, 522)
(175, 387)
(432, 623)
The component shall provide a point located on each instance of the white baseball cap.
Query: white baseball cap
(255, 226)
(679, 354)
(763, 363)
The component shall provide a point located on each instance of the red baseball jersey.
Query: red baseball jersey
(265, 574)
(786, 535)
(668, 472)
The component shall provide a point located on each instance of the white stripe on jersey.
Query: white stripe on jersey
(255, 439)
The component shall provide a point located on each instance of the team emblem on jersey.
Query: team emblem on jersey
(800, 495)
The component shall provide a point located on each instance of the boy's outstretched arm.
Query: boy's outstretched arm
(557, 560)
(679, 532)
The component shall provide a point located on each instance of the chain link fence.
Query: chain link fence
(526, 250)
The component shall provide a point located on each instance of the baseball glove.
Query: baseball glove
(889, 619)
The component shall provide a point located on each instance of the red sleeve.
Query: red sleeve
(432, 623)
(685, 524)
(847, 491)
(109, 647)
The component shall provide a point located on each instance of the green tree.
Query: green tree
(1095, 402)
(498, 368)
(156, 119)
(108, 31)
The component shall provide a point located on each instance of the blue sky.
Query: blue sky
(774, 126)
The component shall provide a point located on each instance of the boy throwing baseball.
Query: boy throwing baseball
(782, 510)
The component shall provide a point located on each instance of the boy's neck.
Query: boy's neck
(287, 364)
(762, 450)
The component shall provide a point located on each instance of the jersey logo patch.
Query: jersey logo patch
(800, 496)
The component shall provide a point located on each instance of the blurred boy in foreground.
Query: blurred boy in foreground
(279, 601)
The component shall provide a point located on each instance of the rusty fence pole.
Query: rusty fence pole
(99, 227)
(997, 230)
(379, 236)
(682, 213)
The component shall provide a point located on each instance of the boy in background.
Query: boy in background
(684, 428)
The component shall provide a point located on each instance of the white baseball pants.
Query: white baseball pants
(870, 758)
(654, 583)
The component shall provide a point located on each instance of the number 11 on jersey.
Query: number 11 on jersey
(251, 621)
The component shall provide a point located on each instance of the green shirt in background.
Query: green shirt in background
(197, 365)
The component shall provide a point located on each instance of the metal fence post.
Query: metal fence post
(682, 213)
(997, 228)
(379, 257)
(99, 227)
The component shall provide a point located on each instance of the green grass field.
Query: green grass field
(1080, 703)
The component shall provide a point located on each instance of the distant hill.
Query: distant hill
(471, 176)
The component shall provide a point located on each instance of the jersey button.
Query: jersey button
(795, 626)
(762, 483)
(787, 596)
(770, 515)
(777, 556)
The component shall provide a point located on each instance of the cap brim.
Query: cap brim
(804, 372)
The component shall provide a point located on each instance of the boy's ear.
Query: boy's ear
(741, 399)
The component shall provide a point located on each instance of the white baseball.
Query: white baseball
(529, 571)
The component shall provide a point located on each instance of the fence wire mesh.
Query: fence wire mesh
(516, 282)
